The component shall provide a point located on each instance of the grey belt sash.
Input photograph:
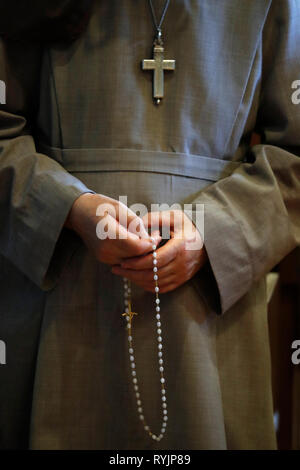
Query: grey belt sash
(119, 159)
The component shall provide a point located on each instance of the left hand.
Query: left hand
(177, 261)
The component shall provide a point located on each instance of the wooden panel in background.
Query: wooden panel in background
(284, 313)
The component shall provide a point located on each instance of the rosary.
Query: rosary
(129, 314)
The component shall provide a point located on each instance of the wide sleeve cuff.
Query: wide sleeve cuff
(228, 272)
(38, 194)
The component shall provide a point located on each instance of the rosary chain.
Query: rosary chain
(129, 315)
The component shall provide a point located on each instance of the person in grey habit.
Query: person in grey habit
(94, 112)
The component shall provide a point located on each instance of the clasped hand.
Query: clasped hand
(129, 252)
(178, 259)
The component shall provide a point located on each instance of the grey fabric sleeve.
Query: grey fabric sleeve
(36, 192)
(252, 217)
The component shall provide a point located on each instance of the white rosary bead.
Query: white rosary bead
(155, 277)
(156, 289)
(153, 247)
(158, 316)
(154, 255)
(155, 269)
(158, 324)
(159, 339)
(157, 309)
(154, 261)
(159, 331)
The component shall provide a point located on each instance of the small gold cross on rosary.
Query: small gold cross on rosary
(130, 313)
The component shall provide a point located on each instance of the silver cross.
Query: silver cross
(158, 64)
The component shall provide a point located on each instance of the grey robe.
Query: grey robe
(80, 117)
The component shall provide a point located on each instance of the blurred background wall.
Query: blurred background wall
(284, 324)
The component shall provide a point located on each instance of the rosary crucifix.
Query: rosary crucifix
(158, 64)
(130, 313)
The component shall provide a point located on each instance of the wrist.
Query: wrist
(78, 210)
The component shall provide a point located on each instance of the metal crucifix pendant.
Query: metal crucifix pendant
(158, 64)
(130, 313)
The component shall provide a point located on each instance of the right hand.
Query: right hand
(83, 219)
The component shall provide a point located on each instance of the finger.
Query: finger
(146, 276)
(136, 225)
(164, 255)
(109, 227)
(127, 243)
(124, 215)
(171, 284)
(129, 219)
(155, 240)
(132, 246)
(157, 237)
(167, 219)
